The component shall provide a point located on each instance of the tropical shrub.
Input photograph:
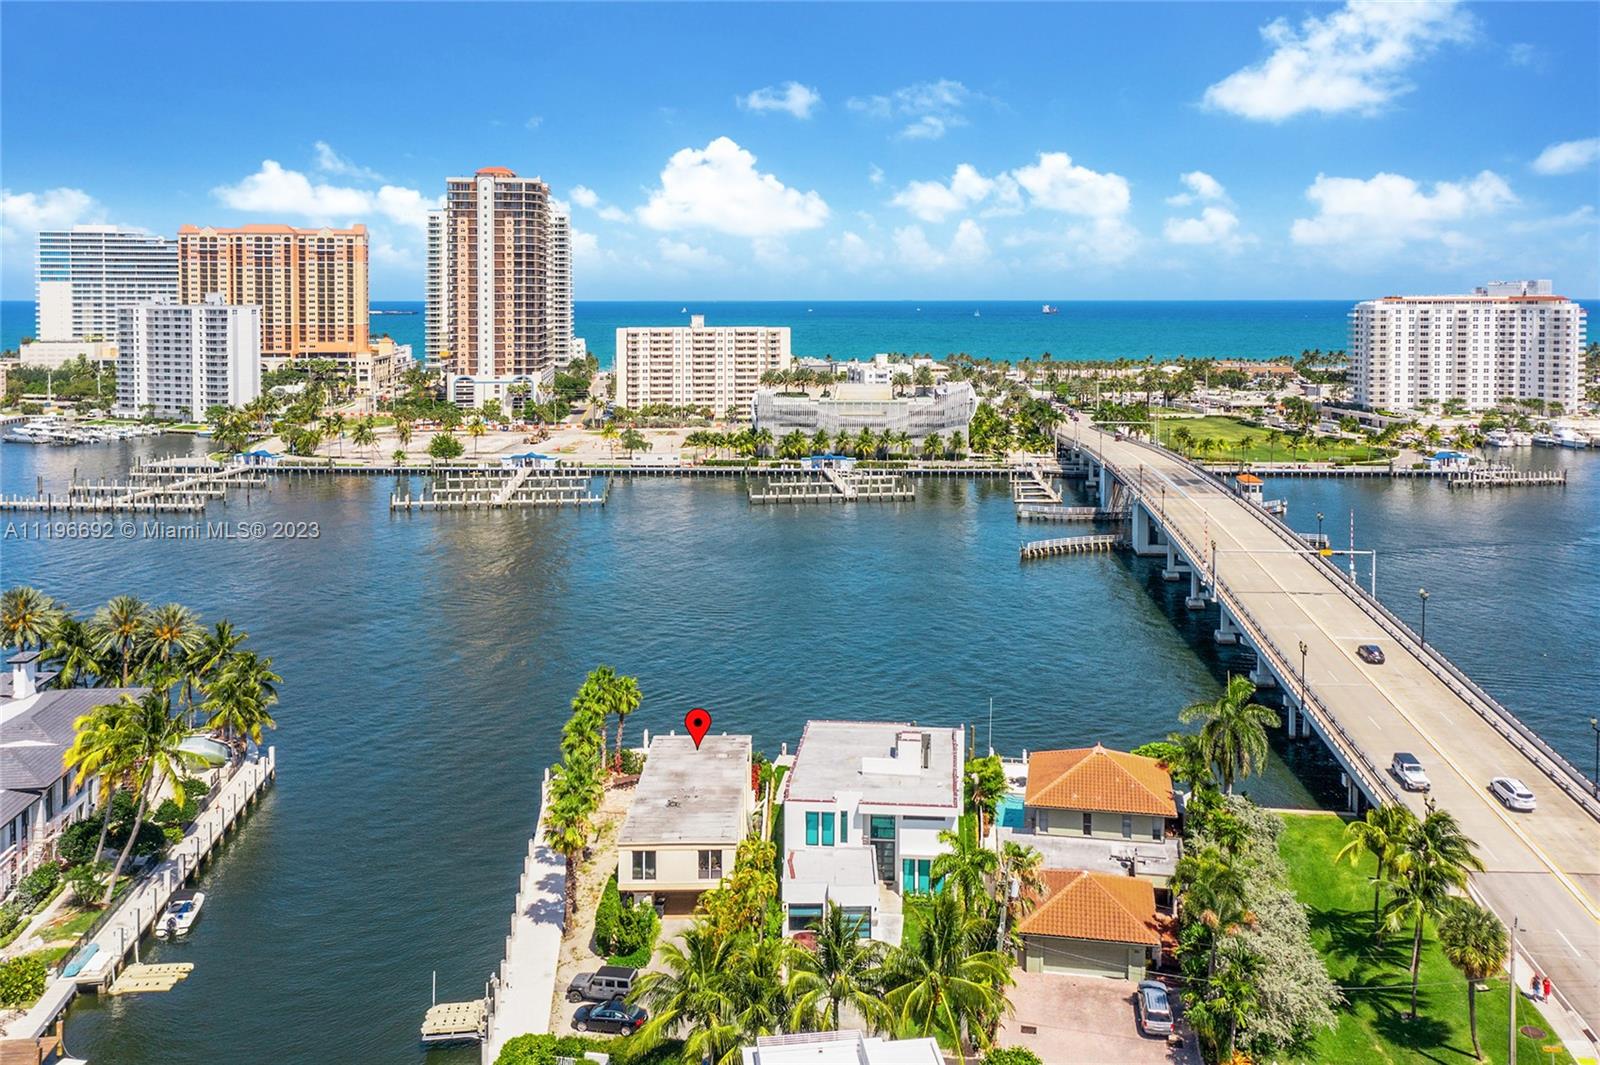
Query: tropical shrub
(636, 935)
(1011, 1056)
(37, 885)
(10, 918)
(86, 879)
(607, 916)
(78, 841)
(632, 761)
(21, 980)
(547, 1049)
(173, 813)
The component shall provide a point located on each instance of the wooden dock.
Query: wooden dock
(456, 1022)
(1029, 484)
(98, 961)
(501, 487)
(829, 485)
(1071, 545)
(152, 488)
(1505, 477)
(1052, 512)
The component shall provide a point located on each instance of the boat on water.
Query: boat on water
(977, 314)
(1545, 440)
(1497, 438)
(182, 911)
(1050, 310)
(1569, 437)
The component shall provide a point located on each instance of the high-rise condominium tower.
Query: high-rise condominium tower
(87, 274)
(1507, 339)
(499, 286)
(311, 284)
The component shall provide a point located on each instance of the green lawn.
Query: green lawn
(1372, 1026)
(1230, 432)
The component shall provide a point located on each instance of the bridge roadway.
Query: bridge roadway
(1543, 868)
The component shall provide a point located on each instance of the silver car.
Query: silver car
(1512, 793)
(1155, 1008)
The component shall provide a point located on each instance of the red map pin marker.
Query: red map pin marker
(698, 722)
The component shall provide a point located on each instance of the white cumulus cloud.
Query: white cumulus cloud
(1355, 59)
(1216, 225)
(1203, 188)
(1056, 183)
(968, 246)
(1568, 157)
(273, 190)
(584, 196)
(934, 201)
(679, 253)
(791, 98)
(719, 188)
(930, 108)
(1389, 210)
(23, 214)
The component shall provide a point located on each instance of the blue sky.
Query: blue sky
(1224, 150)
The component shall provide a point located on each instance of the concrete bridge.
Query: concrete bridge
(1304, 619)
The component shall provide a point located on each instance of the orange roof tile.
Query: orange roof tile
(1079, 904)
(1248, 478)
(1093, 778)
(497, 171)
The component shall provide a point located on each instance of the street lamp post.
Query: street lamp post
(1319, 528)
(1303, 677)
(1422, 594)
(1594, 723)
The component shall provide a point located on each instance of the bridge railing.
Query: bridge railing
(1561, 772)
(1370, 779)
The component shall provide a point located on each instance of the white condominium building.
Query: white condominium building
(1507, 339)
(718, 367)
(87, 274)
(178, 359)
(558, 299)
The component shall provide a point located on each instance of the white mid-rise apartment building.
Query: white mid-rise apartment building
(178, 359)
(718, 367)
(1506, 339)
(558, 297)
(87, 274)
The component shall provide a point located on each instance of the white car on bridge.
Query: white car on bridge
(1512, 793)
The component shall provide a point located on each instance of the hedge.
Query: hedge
(37, 886)
(22, 980)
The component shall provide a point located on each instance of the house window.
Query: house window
(1156, 826)
(844, 827)
(1127, 826)
(711, 865)
(1088, 823)
(802, 918)
(916, 876)
(812, 820)
(827, 830)
(644, 865)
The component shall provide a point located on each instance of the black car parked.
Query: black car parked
(614, 1016)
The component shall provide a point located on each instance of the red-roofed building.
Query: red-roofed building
(1092, 924)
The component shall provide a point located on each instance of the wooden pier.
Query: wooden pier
(1052, 512)
(1072, 545)
(829, 485)
(152, 488)
(500, 487)
(98, 960)
(1505, 477)
(1030, 485)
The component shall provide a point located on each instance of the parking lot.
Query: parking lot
(1085, 1020)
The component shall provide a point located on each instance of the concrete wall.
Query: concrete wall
(1103, 825)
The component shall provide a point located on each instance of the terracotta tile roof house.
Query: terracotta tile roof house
(1095, 924)
(1099, 780)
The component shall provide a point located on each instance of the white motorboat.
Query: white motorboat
(182, 911)
(1544, 440)
(1568, 437)
(1497, 438)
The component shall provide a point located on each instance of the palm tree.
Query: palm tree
(688, 994)
(1234, 730)
(1434, 858)
(941, 987)
(625, 698)
(1022, 884)
(71, 648)
(364, 435)
(1381, 833)
(147, 735)
(984, 785)
(1231, 997)
(1189, 761)
(608, 432)
(238, 701)
(843, 969)
(1211, 882)
(172, 634)
(27, 617)
(119, 629)
(1474, 941)
(966, 866)
(98, 750)
(567, 828)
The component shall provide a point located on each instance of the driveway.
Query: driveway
(1081, 1020)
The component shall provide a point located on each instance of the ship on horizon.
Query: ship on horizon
(1048, 309)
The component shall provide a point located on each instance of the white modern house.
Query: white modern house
(690, 810)
(841, 1048)
(863, 808)
(37, 796)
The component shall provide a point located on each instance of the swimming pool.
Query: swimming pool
(1011, 811)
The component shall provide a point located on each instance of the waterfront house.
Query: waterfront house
(1091, 924)
(37, 796)
(690, 809)
(862, 811)
(846, 1047)
(1098, 809)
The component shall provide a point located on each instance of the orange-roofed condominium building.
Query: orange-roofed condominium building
(311, 285)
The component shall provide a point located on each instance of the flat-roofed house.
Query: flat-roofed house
(1091, 924)
(1099, 809)
(847, 1047)
(690, 810)
(863, 809)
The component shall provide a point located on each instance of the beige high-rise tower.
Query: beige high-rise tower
(311, 284)
(497, 267)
